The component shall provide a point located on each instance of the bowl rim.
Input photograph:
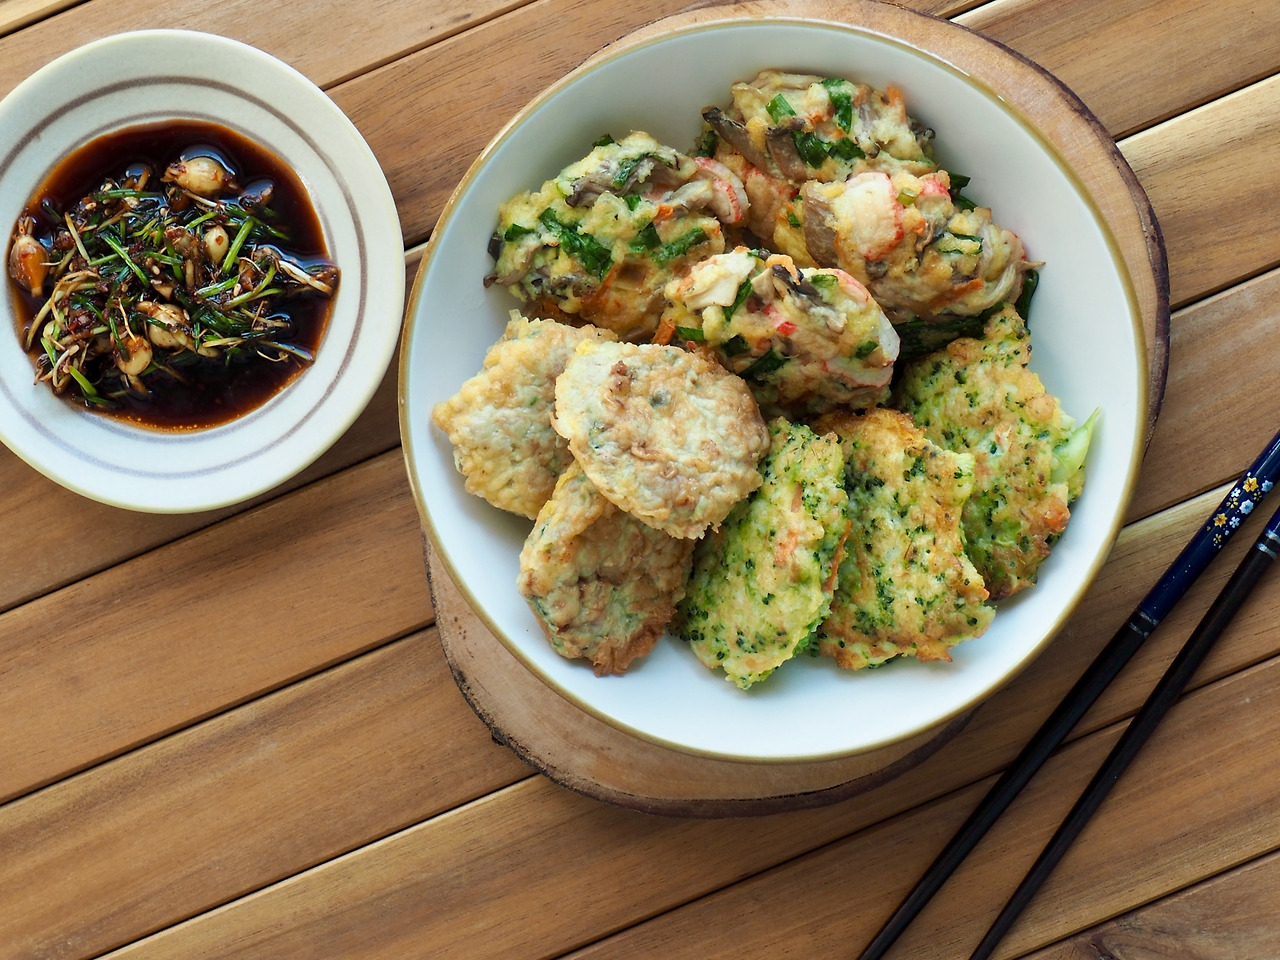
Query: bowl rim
(625, 47)
(366, 205)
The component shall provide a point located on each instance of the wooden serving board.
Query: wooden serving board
(593, 757)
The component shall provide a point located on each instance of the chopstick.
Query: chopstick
(1247, 493)
(1175, 678)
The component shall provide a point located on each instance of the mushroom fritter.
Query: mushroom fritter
(602, 584)
(784, 129)
(805, 340)
(499, 422)
(671, 437)
(905, 585)
(598, 242)
(978, 396)
(807, 127)
(763, 582)
(918, 253)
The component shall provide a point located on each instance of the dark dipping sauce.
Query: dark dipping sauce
(193, 391)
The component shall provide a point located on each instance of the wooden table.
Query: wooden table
(235, 735)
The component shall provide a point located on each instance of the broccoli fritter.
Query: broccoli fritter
(978, 396)
(763, 582)
(602, 584)
(905, 585)
(499, 422)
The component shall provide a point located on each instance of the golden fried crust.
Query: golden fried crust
(668, 436)
(905, 585)
(979, 397)
(763, 582)
(602, 584)
(499, 422)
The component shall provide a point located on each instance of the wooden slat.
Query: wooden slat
(1221, 394)
(1136, 62)
(748, 846)
(472, 882)
(64, 516)
(287, 760)
(1178, 816)
(1230, 916)
(241, 801)
(1219, 229)
(16, 14)
(313, 37)
(209, 621)
(110, 832)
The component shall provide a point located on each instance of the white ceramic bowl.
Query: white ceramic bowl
(150, 76)
(1088, 349)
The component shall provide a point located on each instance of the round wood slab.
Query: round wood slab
(592, 757)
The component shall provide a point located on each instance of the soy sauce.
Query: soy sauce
(214, 392)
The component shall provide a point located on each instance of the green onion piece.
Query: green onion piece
(114, 244)
(812, 148)
(765, 365)
(241, 235)
(604, 141)
(744, 291)
(679, 246)
(846, 149)
(516, 231)
(1030, 280)
(707, 143)
(778, 107)
(86, 387)
(646, 239)
(735, 345)
(691, 333)
(841, 100)
(593, 254)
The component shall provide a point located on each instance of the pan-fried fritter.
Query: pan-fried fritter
(499, 422)
(805, 340)
(763, 582)
(977, 396)
(671, 437)
(598, 242)
(602, 584)
(917, 252)
(905, 585)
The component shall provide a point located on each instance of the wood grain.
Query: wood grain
(314, 38)
(1200, 210)
(1232, 915)
(483, 867)
(242, 800)
(16, 14)
(148, 646)
(284, 782)
(1221, 360)
(1129, 59)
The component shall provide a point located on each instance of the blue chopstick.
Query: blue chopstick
(1171, 685)
(1253, 485)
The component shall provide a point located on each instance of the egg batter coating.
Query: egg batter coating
(763, 582)
(598, 242)
(602, 584)
(805, 340)
(783, 129)
(977, 396)
(904, 237)
(671, 437)
(499, 422)
(905, 585)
